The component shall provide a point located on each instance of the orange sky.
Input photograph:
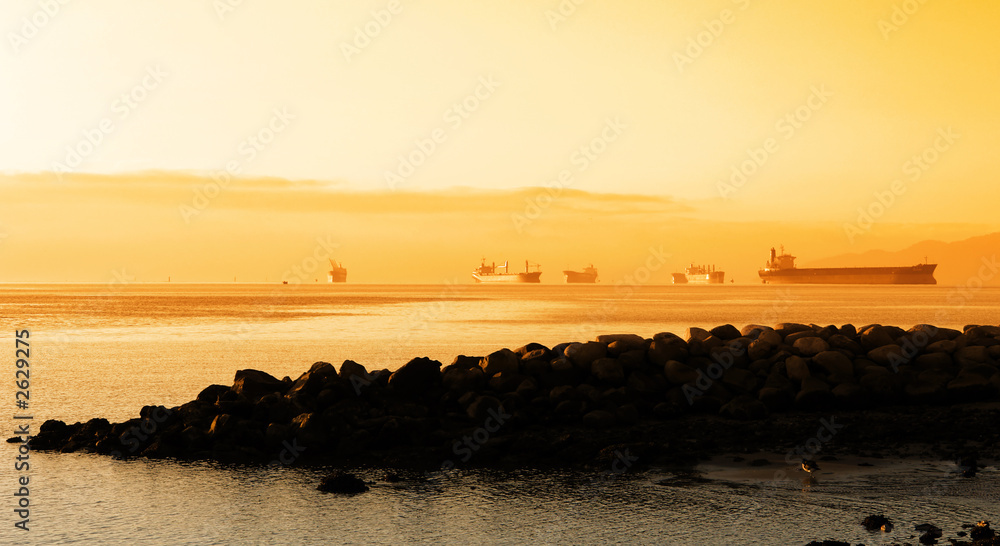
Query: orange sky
(825, 108)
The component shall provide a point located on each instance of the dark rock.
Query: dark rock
(666, 347)
(599, 419)
(835, 363)
(342, 483)
(875, 336)
(503, 360)
(745, 407)
(608, 370)
(583, 355)
(417, 376)
(464, 379)
(253, 384)
(679, 373)
(740, 380)
(725, 332)
(877, 523)
(815, 395)
(483, 407)
(622, 343)
(212, 393)
(797, 368)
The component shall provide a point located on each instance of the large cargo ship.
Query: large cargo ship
(587, 276)
(699, 274)
(338, 273)
(780, 269)
(492, 273)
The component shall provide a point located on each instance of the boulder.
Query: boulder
(810, 346)
(253, 384)
(776, 399)
(797, 368)
(342, 483)
(599, 419)
(934, 361)
(679, 373)
(608, 370)
(725, 332)
(702, 347)
(506, 382)
(849, 396)
(761, 348)
(740, 381)
(622, 343)
(483, 407)
(464, 380)
(968, 387)
(212, 393)
(417, 376)
(835, 363)
(666, 347)
(890, 355)
(814, 395)
(945, 346)
(583, 355)
(696, 333)
(786, 328)
(308, 385)
(875, 336)
(463, 362)
(845, 343)
(745, 407)
(222, 425)
(972, 353)
(503, 360)
(530, 348)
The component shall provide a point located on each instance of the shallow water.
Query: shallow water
(103, 352)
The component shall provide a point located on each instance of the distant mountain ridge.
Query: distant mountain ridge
(959, 262)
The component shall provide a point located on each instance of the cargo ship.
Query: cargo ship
(587, 276)
(338, 273)
(699, 274)
(492, 273)
(780, 269)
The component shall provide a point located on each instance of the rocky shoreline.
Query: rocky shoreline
(618, 400)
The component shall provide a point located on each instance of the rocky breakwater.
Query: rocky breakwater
(656, 399)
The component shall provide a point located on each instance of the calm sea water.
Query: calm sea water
(106, 351)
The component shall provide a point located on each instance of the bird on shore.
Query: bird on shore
(809, 466)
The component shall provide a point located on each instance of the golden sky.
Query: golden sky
(645, 108)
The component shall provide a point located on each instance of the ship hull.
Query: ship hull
(532, 277)
(918, 274)
(337, 276)
(577, 277)
(715, 277)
